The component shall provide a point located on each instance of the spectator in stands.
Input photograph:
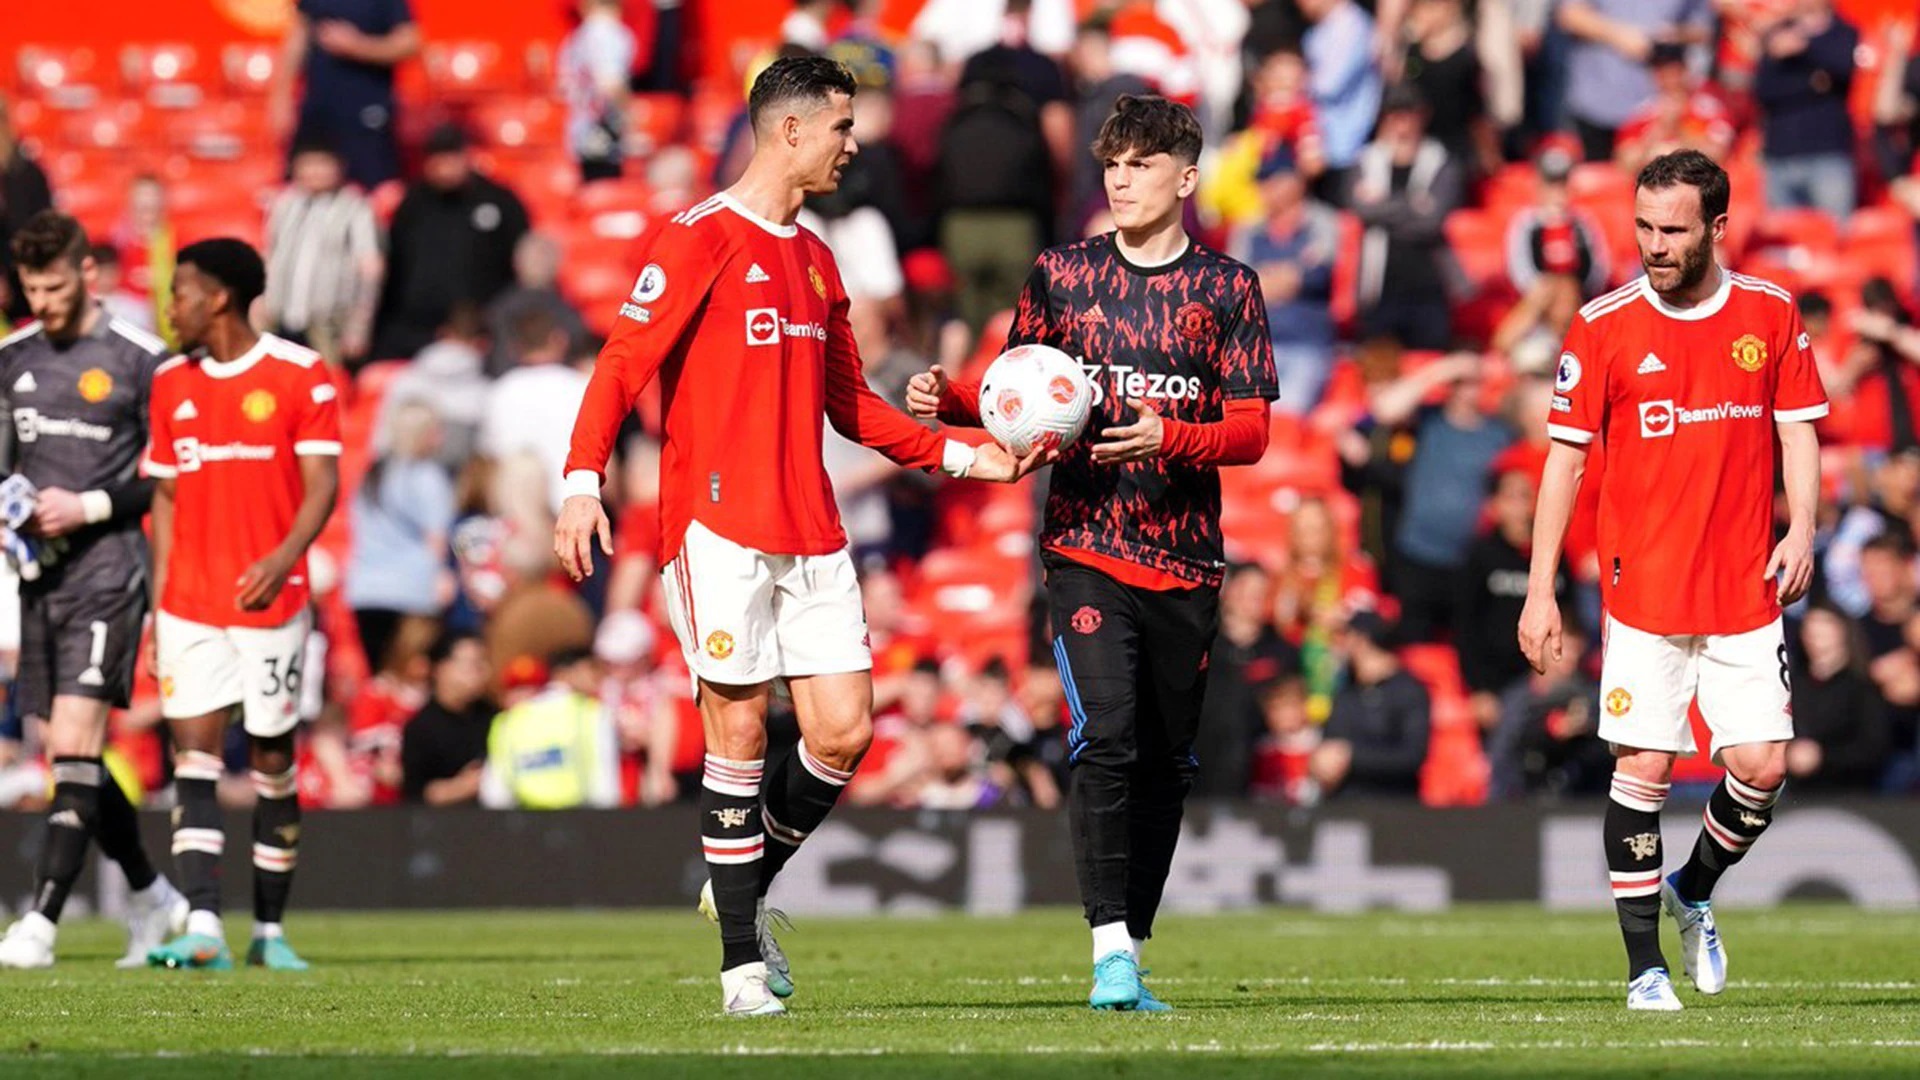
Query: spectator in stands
(343, 53)
(990, 711)
(1840, 725)
(444, 749)
(1000, 153)
(530, 409)
(858, 220)
(1547, 739)
(1607, 75)
(1887, 570)
(536, 276)
(378, 714)
(323, 259)
(401, 515)
(1681, 115)
(1044, 700)
(595, 63)
(806, 25)
(1556, 254)
(144, 238)
(1404, 184)
(1281, 117)
(1493, 589)
(636, 535)
(452, 238)
(556, 750)
(528, 613)
(1885, 359)
(23, 193)
(1345, 83)
(1283, 759)
(1442, 63)
(448, 377)
(1455, 444)
(1893, 498)
(1246, 654)
(966, 27)
(1293, 251)
(1801, 87)
(1097, 84)
(1318, 584)
(1376, 739)
(957, 776)
(109, 285)
(645, 718)
(902, 740)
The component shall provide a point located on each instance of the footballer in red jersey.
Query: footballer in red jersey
(1174, 337)
(246, 449)
(741, 314)
(1690, 378)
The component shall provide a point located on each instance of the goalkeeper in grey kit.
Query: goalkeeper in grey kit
(75, 385)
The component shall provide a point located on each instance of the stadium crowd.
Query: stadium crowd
(1429, 190)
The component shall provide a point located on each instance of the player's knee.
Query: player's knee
(844, 744)
(1766, 772)
(272, 756)
(1652, 766)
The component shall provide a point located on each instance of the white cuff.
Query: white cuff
(96, 505)
(957, 460)
(1569, 434)
(580, 482)
(1800, 416)
(159, 471)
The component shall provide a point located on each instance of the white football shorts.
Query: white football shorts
(1648, 680)
(204, 669)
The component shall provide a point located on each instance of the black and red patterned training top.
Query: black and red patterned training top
(1185, 337)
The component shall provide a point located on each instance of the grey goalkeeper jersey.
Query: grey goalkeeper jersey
(76, 418)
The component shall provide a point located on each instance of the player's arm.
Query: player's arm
(1578, 412)
(1244, 360)
(931, 395)
(161, 512)
(1798, 400)
(320, 482)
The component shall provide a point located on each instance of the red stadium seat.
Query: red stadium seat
(520, 123)
(597, 284)
(64, 76)
(240, 221)
(248, 66)
(614, 209)
(656, 119)
(1435, 665)
(168, 75)
(1456, 772)
(385, 199)
(221, 131)
(1345, 304)
(1479, 242)
(470, 69)
(113, 126)
(1813, 230)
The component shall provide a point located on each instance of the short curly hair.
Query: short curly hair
(47, 238)
(1146, 124)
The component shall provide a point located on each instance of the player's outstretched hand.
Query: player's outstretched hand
(262, 582)
(581, 519)
(994, 462)
(1137, 441)
(1791, 565)
(924, 392)
(1540, 639)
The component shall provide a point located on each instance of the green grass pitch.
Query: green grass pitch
(1479, 992)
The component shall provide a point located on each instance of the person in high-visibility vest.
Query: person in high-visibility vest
(555, 750)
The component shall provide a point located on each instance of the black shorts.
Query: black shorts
(78, 641)
(1133, 664)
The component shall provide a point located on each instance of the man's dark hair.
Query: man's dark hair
(48, 237)
(1146, 125)
(1815, 305)
(1894, 542)
(232, 263)
(532, 330)
(103, 252)
(1695, 170)
(443, 646)
(813, 79)
(995, 669)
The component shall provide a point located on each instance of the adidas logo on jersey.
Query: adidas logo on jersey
(1093, 315)
(186, 411)
(757, 276)
(1650, 366)
(25, 384)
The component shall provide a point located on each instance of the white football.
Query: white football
(1035, 396)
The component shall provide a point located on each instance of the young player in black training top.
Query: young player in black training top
(1174, 337)
(75, 386)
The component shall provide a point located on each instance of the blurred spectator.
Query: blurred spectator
(323, 259)
(448, 377)
(1246, 654)
(1840, 725)
(1404, 185)
(452, 238)
(1885, 362)
(1552, 245)
(401, 515)
(1889, 504)
(644, 716)
(1681, 115)
(528, 613)
(858, 219)
(109, 286)
(1801, 87)
(342, 53)
(537, 259)
(1493, 589)
(531, 408)
(865, 45)
(999, 155)
(144, 238)
(594, 66)
(1284, 756)
(1319, 583)
(23, 193)
(902, 741)
(1281, 119)
(378, 714)
(966, 27)
(1293, 251)
(444, 749)
(636, 535)
(1607, 75)
(1097, 86)
(1044, 701)
(1547, 739)
(1344, 80)
(1887, 570)
(556, 750)
(1005, 735)
(957, 776)
(1455, 445)
(1376, 739)
(806, 25)
(1441, 62)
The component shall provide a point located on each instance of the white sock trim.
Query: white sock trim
(267, 931)
(1111, 938)
(206, 922)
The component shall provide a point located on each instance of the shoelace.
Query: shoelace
(778, 918)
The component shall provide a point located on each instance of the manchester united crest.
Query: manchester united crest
(258, 406)
(819, 283)
(95, 385)
(1750, 353)
(719, 644)
(1619, 702)
(1086, 620)
(1195, 322)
